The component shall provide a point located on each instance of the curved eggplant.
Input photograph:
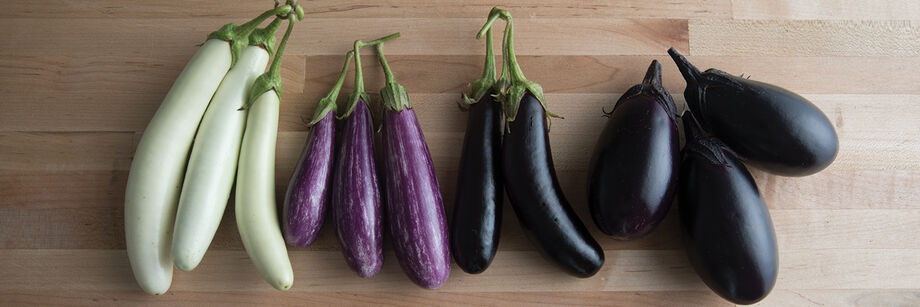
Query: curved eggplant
(725, 225)
(537, 198)
(476, 223)
(770, 127)
(633, 173)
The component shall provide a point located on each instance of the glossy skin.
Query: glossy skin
(476, 223)
(415, 210)
(356, 207)
(770, 127)
(633, 173)
(725, 225)
(536, 197)
(308, 191)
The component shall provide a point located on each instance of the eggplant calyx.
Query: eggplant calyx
(484, 84)
(238, 35)
(327, 104)
(651, 86)
(710, 148)
(271, 80)
(512, 85)
(394, 95)
(358, 94)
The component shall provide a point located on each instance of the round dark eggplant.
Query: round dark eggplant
(633, 173)
(725, 225)
(537, 198)
(476, 223)
(772, 128)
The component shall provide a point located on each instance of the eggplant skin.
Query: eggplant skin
(536, 197)
(415, 210)
(725, 225)
(309, 187)
(356, 209)
(476, 223)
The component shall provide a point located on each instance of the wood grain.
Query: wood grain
(80, 80)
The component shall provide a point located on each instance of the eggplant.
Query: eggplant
(633, 172)
(528, 172)
(770, 127)
(304, 206)
(476, 223)
(415, 210)
(356, 207)
(725, 226)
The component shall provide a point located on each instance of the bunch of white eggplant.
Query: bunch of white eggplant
(234, 110)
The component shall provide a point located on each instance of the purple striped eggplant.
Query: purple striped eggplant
(633, 172)
(725, 225)
(356, 208)
(529, 175)
(413, 197)
(308, 190)
(476, 223)
(770, 127)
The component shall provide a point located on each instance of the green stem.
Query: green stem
(275, 69)
(358, 93)
(508, 50)
(271, 80)
(386, 66)
(327, 104)
(394, 95)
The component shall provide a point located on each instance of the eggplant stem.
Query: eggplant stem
(653, 75)
(690, 72)
(358, 92)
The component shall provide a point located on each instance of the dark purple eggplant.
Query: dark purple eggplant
(415, 210)
(476, 223)
(529, 175)
(725, 225)
(633, 173)
(770, 127)
(308, 190)
(356, 207)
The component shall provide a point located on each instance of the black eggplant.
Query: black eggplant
(528, 171)
(725, 225)
(476, 223)
(633, 173)
(770, 127)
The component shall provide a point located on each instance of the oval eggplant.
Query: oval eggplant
(356, 207)
(537, 198)
(476, 222)
(633, 173)
(770, 127)
(415, 210)
(725, 225)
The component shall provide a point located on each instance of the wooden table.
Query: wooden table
(79, 80)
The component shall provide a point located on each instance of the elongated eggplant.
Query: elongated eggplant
(476, 223)
(528, 171)
(356, 207)
(770, 127)
(725, 225)
(633, 173)
(415, 210)
(309, 187)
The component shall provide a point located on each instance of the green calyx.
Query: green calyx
(327, 104)
(358, 94)
(238, 35)
(512, 85)
(482, 85)
(393, 94)
(271, 80)
(265, 37)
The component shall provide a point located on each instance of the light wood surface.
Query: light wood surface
(79, 80)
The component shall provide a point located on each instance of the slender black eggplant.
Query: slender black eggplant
(356, 208)
(770, 127)
(633, 173)
(528, 171)
(415, 210)
(476, 224)
(308, 190)
(725, 225)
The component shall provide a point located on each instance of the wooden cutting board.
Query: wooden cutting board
(79, 80)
